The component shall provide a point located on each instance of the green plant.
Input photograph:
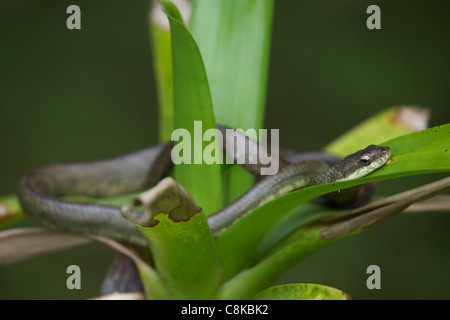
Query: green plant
(212, 84)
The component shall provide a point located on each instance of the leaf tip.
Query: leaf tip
(413, 118)
(173, 11)
(158, 15)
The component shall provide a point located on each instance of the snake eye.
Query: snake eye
(365, 160)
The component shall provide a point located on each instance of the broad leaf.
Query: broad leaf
(422, 152)
(254, 279)
(234, 40)
(302, 291)
(192, 102)
(383, 126)
(180, 241)
(305, 241)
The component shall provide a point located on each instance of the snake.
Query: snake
(41, 189)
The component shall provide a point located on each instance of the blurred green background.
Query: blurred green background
(86, 94)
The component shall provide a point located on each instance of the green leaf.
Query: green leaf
(426, 151)
(253, 279)
(374, 212)
(422, 152)
(305, 241)
(234, 39)
(179, 239)
(10, 210)
(302, 291)
(192, 102)
(185, 255)
(153, 286)
(162, 60)
(301, 216)
(386, 125)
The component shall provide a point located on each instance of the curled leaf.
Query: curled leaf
(169, 197)
(180, 240)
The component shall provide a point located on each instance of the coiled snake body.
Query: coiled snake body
(40, 188)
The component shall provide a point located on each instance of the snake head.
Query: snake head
(362, 162)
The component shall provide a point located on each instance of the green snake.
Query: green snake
(41, 187)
